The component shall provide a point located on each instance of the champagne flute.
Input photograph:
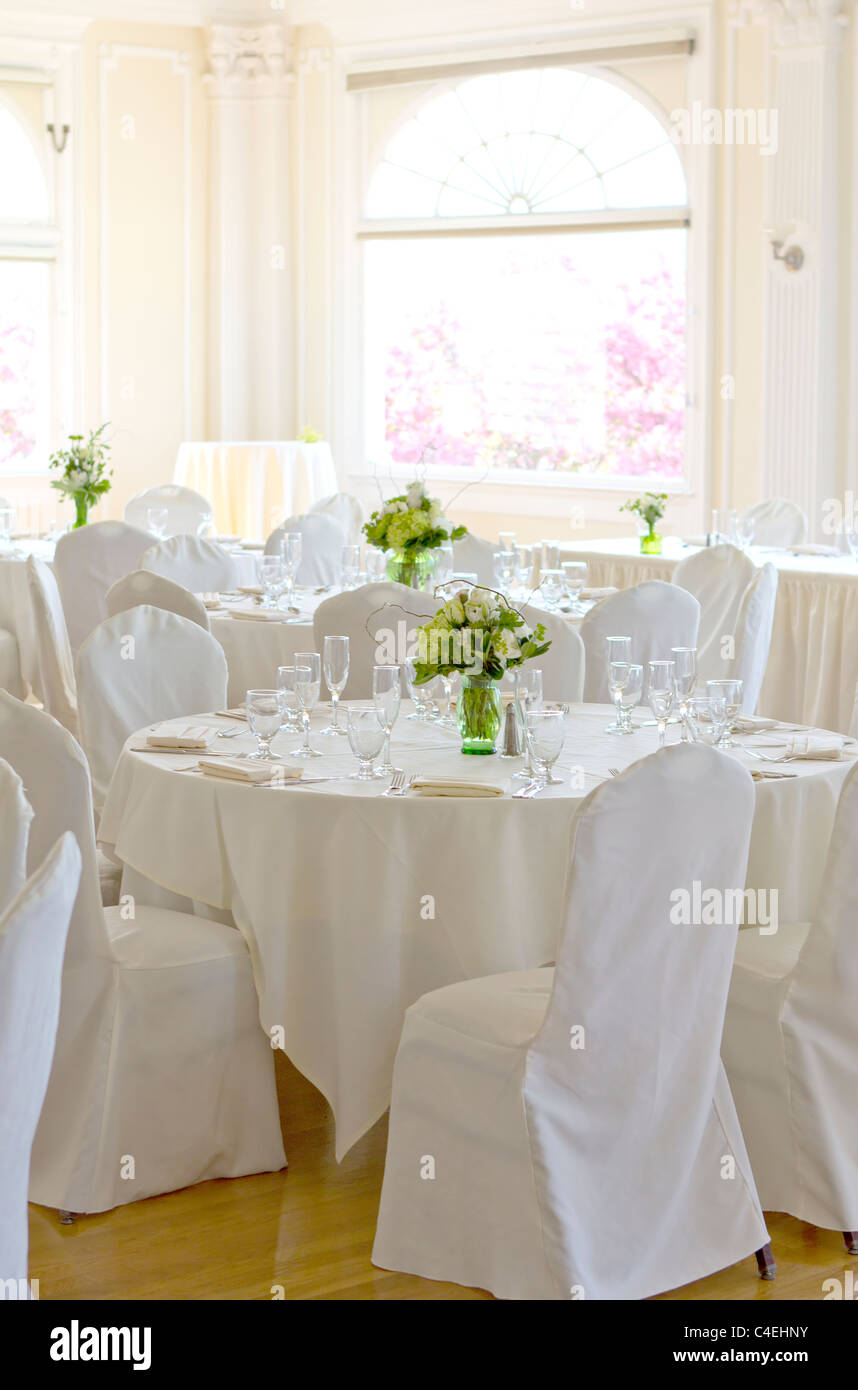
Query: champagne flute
(264, 718)
(335, 660)
(619, 659)
(290, 554)
(527, 696)
(661, 694)
(630, 695)
(731, 693)
(308, 688)
(365, 738)
(386, 696)
(684, 678)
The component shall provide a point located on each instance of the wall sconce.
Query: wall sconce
(784, 248)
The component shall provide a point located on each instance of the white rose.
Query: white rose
(455, 612)
(414, 496)
(506, 645)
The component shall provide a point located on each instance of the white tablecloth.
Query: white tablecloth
(255, 486)
(256, 646)
(813, 662)
(354, 905)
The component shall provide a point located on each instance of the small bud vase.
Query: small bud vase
(650, 543)
(81, 509)
(478, 714)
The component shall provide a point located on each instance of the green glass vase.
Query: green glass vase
(81, 509)
(650, 543)
(478, 714)
(414, 568)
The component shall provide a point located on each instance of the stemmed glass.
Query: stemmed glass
(707, 718)
(264, 718)
(527, 697)
(421, 696)
(365, 737)
(505, 566)
(386, 696)
(550, 555)
(290, 554)
(551, 585)
(546, 732)
(308, 688)
(684, 678)
(375, 564)
(447, 720)
(730, 692)
(350, 565)
(619, 657)
(524, 569)
(156, 521)
(630, 695)
(661, 694)
(272, 579)
(852, 542)
(575, 574)
(744, 530)
(335, 660)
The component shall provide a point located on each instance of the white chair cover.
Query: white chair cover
(86, 562)
(737, 603)
(373, 618)
(15, 816)
(56, 663)
(345, 509)
(564, 663)
(160, 1055)
(473, 555)
(138, 667)
(188, 512)
(143, 586)
(791, 1045)
(579, 1119)
(199, 566)
(778, 522)
(32, 941)
(322, 541)
(754, 635)
(657, 616)
(10, 663)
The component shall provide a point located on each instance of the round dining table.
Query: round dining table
(354, 904)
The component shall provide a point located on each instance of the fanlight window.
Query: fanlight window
(549, 141)
(23, 190)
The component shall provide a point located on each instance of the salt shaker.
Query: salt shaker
(511, 735)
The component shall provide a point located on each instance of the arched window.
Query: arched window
(525, 256)
(27, 248)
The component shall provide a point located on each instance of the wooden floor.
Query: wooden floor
(310, 1230)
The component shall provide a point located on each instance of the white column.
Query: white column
(251, 388)
(799, 433)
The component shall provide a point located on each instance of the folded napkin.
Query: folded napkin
(753, 724)
(454, 786)
(192, 737)
(239, 712)
(256, 615)
(210, 602)
(813, 550)
(249, 589)
(253, 545)
(599, 593)
(240, 770)
(813, 746)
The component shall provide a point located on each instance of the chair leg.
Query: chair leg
(851, 1238)
(67, 1218)
(766, 1262)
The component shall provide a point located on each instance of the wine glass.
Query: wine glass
(661, 694)
(546, 731)
(447, 720)
(524, 568)
(156, 521)
(730, 691)
(335, 660)
(386, 696)
(707, 718)
(420, 695)
(290, 554)
(375, 564)
(684, 678)
(350, 566)
(308, 688)
(527, 696)
(272, 579)
(366, 737)
(630, 695)
(551, 586)
(264, 718)
(619, 658)
(505, 566)
(575, 574)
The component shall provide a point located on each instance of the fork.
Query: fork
(614, 771)
(230, 733)
(399, 784)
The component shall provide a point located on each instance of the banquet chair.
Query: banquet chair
(15, 816)
(564, 663)
(188, 512)
(54, 653)
(473, 555)
(144, 586)
(199, 566)
(656, 615)
(853, 723)
(564, 1132)
(380, 621)
(737, 603)
(10, 663)
(345, 509)
(86, 562)
(162, 1074)
(791, 1046)
(322, 541)
(778, 522)
(138, 667)
(33, 932)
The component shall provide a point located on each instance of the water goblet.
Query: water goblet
(350, 566)
(630, 695)
(375, 564)
(707, 718)
(264, 718)
(575, 574)
(550, 555)
(552, 586)
(366, 737)
(546, 731)
(731, 693)
(524, 568)
(272, 579)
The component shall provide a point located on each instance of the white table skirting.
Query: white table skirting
(354, 905)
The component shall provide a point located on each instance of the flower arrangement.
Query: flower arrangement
(85, 476)
(413, 527)
(650, 509)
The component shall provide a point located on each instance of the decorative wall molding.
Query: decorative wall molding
(798, 23)
(248, 62)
